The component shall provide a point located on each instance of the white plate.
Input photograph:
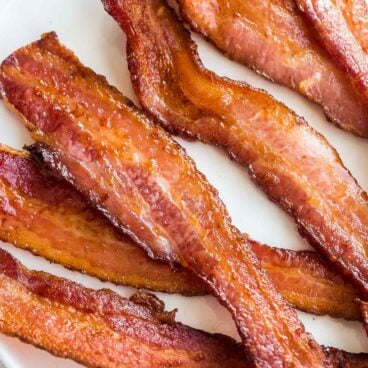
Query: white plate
(84, 27)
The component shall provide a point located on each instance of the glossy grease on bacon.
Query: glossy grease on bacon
(32, 202)
(342, 28)
(140, 178)
(308, 283)
(293, 164)
(102, 329)
(271, 37)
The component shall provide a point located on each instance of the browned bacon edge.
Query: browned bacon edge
(293, 164)
(338, 30)
(271, 37)
(32, 202)
(102, 329)
(139, 177)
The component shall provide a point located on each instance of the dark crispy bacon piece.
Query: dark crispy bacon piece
(342, 28)
(271, 37)
(145, 183)
(32, 202)
(102, 329)
(292, 163)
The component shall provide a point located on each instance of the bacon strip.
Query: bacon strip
(139, 177)
(32, 202)
(308, 283)
(292, 163)
(271, 37)
(102, 329)
(342, 28)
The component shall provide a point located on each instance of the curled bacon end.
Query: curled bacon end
(140, 178)
(341, 27)
(102, 329)
(271, 37)
(32, 202)
(293, 164)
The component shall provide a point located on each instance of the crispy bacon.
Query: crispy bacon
(271, 37)
(308, 283)
(140, 178)
(102, 329)
(32, 202)
(342, 28)
(294, 165)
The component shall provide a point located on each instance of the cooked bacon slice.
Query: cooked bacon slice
(342, 28)
(271, 37)
(139, 177)
(102, 329)
(308, 283)
(292, 163)
(32, 202)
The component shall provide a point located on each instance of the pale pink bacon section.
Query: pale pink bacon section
(341, 26)
(145, 183)
(32, 202)
(271, 37)
(293, 164)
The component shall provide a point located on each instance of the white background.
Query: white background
(84, 27)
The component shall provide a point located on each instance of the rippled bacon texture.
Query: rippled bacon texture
(32, 203)
(308, 283)
(271, 37)
(144, 182)
(292, 163)
(102, 329)
(342, 28)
